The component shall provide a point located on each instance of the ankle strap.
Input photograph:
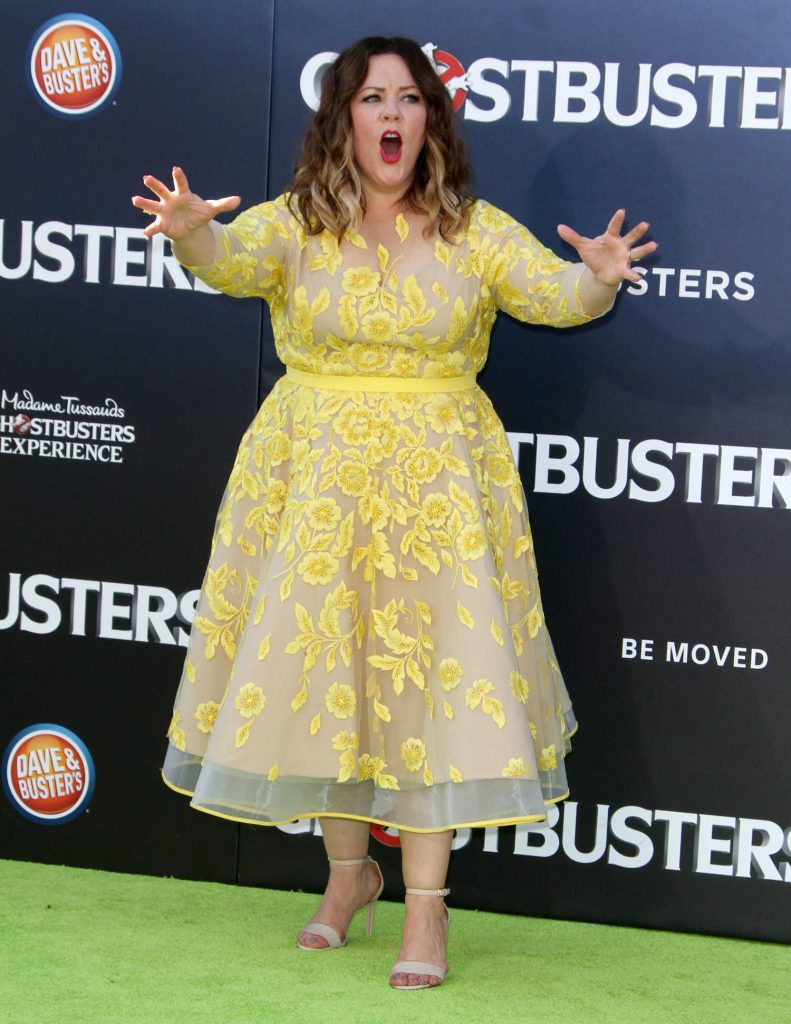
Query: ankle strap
(360, 860)
(427, 892)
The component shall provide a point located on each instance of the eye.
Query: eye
(372, 97)
(412, 97)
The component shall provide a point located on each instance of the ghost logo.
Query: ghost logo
(450, 70)
(73, 66)
(21, 424)
(48, 774)
(451, 73)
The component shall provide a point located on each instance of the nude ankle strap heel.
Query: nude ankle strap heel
(421, 966)
(326, 931)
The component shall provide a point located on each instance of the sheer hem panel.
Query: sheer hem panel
(242, 796)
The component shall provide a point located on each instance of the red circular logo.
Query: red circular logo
(48, 774)
(21, 424)
(74, 65)
(386, 836)
(449, 68)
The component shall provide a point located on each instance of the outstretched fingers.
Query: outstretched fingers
(180, 183)
(641, 251)
(616, 223)
(636, 233)
(156, 186)
(146, 205)
(570, 235)
(224, 205)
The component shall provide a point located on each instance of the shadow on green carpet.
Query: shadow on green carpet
(93, 947)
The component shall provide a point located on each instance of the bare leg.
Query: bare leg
(348, 887)
(424, 864)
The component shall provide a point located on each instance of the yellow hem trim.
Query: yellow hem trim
(356, 382)
(373, 821)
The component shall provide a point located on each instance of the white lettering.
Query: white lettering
(481, 86)
(582, 93)
(610, 103)
(753, 98)
(706, 845)
(675, 95)
(570, 830)
(532, 70)
(643, 847)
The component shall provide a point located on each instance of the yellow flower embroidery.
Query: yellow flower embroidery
(423, 465)
(379, 327)
(176, 733)
(515, 767)
(347, 743)
(276, 498)
(278, 447)
(413, 753)
(444, 417)
(435, 508)
(374, 510)
(368, 358)
(519, 687)
(356, 424)
(450, 673)
(318, 568)
(250, 700)
(206, 715)
(533, 621)
(353, 478)
(472, 698)
(455, 775)
(360, 281)
(471, 542)
(401, 226)
(323, 514)
(501, 469)
(340, 700)
(548, 761)
(478, 694)
(373, 768)
(495, 220)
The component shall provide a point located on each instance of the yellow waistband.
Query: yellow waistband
(340, 382)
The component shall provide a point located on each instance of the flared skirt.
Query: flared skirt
(369, 641)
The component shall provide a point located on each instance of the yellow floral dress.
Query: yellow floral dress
(369, 640)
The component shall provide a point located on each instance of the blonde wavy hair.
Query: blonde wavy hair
(326, 191)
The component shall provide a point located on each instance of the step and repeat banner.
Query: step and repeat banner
(654, 445)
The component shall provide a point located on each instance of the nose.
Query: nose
(390, 109)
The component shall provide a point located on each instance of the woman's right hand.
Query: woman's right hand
(179, 213)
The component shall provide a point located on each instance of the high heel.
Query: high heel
(421, 966)
(327, 932)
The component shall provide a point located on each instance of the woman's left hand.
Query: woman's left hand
(609, 256)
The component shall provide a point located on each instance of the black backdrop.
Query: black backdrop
(647, 442)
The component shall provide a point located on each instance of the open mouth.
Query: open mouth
(390, 147)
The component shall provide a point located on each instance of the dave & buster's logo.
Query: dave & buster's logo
(73, 66)
(48, 774)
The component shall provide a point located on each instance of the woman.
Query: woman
(370, 645)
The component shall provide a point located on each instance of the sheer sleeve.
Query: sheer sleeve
(251, 253)
(524, 277)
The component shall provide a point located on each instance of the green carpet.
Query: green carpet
(93, 947)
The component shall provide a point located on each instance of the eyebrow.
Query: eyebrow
(380, 88)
